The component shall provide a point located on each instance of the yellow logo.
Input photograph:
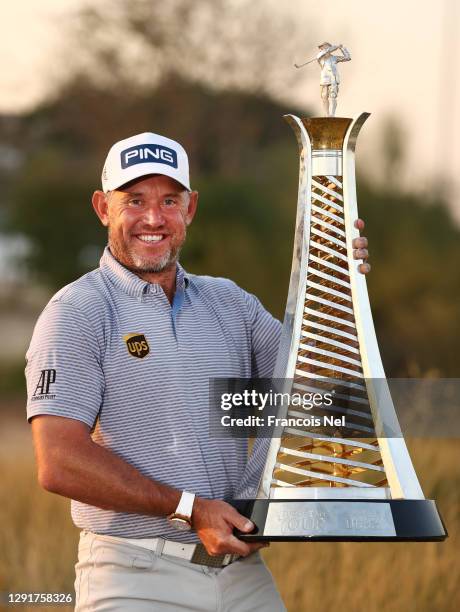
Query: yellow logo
(137, 345)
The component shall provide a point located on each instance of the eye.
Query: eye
(135, 202)
(169, 202)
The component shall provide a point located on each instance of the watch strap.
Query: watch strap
(185, 506)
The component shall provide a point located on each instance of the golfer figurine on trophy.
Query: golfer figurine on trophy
(330, 78)
(357, 482)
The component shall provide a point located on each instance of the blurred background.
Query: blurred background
(218, 76)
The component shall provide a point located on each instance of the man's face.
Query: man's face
(147, 221)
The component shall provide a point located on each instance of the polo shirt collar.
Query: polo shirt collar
(132, 285)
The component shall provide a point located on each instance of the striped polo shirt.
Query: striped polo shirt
(111, 351)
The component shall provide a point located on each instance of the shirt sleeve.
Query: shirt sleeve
(63, 366)
(265, 336)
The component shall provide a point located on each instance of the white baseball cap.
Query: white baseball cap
(144, 154)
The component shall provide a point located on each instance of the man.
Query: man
(118, 372)
(330, 78)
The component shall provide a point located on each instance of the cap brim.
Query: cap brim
(147, 169)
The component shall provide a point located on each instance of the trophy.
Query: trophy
(318, 486)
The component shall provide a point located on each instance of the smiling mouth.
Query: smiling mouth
(151, 238)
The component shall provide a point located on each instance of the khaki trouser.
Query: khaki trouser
(122, 577)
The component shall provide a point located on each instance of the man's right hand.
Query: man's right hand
(214, 522)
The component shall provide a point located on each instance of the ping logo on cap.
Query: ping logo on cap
(148, 153)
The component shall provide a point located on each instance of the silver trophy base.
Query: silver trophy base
(284, 520)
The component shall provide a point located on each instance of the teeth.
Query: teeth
(150, 237)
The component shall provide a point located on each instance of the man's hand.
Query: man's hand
(360, 249)
(214, 521)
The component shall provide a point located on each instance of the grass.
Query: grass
(380, 577)
(38, 543)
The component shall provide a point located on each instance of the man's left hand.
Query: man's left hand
(360, 250)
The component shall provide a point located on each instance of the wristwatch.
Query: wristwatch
(181, 518)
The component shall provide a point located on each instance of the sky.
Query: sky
(404, 64)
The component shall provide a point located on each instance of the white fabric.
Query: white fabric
(121, 577)
(145, 154)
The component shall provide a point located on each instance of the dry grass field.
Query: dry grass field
(38, 543)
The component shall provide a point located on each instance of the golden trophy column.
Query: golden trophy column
(357, 483)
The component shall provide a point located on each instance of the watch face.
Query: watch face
(180, 524)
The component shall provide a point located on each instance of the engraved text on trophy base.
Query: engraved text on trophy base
(331, 518)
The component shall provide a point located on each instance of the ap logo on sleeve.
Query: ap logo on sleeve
(46, 379)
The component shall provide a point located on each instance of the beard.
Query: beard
(138, 264)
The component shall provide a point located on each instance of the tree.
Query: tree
(214, 97)
(223, 44)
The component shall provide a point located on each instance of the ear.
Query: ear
(191, 207)
(101, 206)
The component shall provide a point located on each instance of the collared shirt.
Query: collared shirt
(111, 351)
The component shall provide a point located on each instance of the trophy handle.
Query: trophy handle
(285, 361)
(400, 472)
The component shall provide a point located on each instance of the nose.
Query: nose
(153, 215)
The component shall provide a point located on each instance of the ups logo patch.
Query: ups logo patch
(137, 345)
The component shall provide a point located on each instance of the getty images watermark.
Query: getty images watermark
(271, 408)
(246, 408)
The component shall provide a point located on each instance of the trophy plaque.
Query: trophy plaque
(361, 486)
